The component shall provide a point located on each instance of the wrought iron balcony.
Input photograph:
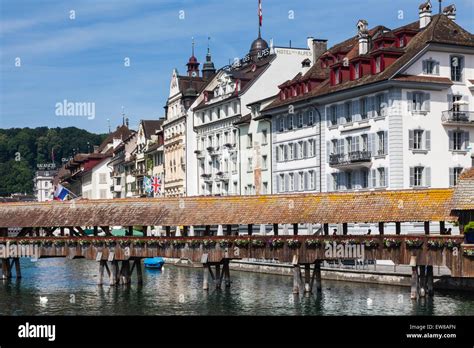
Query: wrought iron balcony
(350, 158)
(458, 117)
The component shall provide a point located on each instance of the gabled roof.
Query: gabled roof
(122, 132)
(440, 30)
(150, 126)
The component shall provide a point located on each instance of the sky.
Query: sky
(116, 54)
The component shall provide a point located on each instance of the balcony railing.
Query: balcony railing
(349, 158)
(223, 176)
(458, 117)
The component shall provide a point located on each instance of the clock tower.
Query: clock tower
(193, 65)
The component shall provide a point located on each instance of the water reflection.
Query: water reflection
(71, 288)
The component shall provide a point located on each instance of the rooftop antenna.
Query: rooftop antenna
(440, 1)
(208, 43)
(193, 47)
(108, 122)
(290, 43)
(260, 18)
(123, 116)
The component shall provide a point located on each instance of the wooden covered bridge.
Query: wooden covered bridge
(204, 231)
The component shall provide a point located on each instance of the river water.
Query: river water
(71, 289)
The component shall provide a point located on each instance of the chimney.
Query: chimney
(450, 12)
(425, 13)
(317, 48)
(363, 34)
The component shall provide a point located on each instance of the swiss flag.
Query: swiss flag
(260, 16)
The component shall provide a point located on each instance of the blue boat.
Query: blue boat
(154, 262)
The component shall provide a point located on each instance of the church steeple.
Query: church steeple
(208, 69)
(193, 64)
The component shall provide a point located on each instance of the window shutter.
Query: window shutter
(305, 149)
(328, 116)
(287, 182)
(466, 140)
(450, 101)
(371, 141)
(409, 100)
(277, 155)
(436, 68)
(411, 139)
(426, 102)
(451, 140)
(374, 178)
(306, 181)
(355, 140)
(451, 176)
(425, 69)
(428, 140)
(385, 142)
(412, 176)
(427, 176)
(356, 110)
(386, 177)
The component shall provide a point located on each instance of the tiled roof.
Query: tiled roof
(416, 78)
(247, 74)
(440, 30)
(463, 198)
(388, 206)
(243, 120)
(150, 126)
(122, 132)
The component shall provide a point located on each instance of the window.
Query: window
(282, 124)
(310, 118)
(378, 64)
(300, 120)
(380, 105)
(103, 194)
(430, 67)
(416, 101)
(249, 140)
(311, 148)
(381, 143)
(312, 180)
(349, 180)
(285, 152)
(337, 76)
(364, 178)
(364, 142)
(402, 41)
(235, 187)
(333, 114)
(300, 150)
(290, 122)
(264, 137)
(381, 174)
(301, 181)
(335, 181)
(363, 108)
(249, 164)
(458, 140)
(418, 176)
(292, 182)
(356, 70)
(457, 63)
(234, 135)
(290, 151)
(102, 179)
(454, 175)
(348, 112)
(265, 188)
(417, 139)
(305, 149)
(264, 162)
(282, 183)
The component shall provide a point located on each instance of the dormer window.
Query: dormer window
(401, 42)
(378, 64)
(337, 76)
(430, 67)
(356, 67)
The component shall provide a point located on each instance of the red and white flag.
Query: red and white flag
(260, 16)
